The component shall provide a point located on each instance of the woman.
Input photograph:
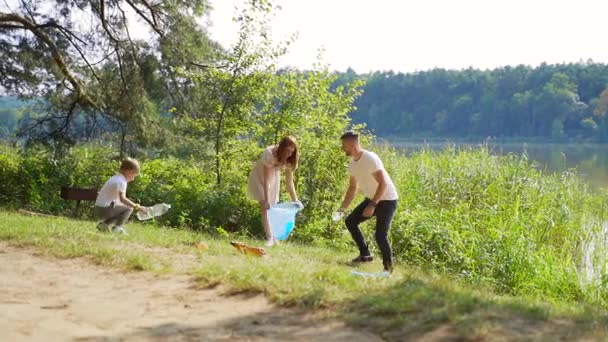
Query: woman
(264, 179)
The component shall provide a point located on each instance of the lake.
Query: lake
(591, 160)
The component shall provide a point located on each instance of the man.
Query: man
(367, 173)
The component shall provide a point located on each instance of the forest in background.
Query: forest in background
(550, 102)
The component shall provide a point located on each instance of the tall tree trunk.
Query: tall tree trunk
(123, 138)
(218, 140)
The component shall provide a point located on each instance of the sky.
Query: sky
(408, 35)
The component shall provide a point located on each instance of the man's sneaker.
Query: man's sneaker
(388, 267)
(362, 258)
(119, 230)
(269, 242)
(102, 227)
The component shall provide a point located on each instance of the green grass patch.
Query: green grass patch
(408, 304)
(500, 221)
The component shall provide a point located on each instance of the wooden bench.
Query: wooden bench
(69, 193)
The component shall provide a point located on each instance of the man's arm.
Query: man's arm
(380, 179)
(371, 207)
(350, 193)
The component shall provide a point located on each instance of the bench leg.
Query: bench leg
(77, 209)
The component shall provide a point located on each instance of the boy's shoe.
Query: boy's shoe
(120, 230)
(362, 258)
(102, 227)
(269, 242)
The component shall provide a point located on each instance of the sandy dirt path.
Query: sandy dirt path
(48, 299)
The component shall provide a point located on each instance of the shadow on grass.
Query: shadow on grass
(270, 325)
(431, 310)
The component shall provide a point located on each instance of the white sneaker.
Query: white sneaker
(120, 230)
(269, 242)
(103, 227)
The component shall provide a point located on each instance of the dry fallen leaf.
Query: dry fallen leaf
(243, 248)
(203, 246)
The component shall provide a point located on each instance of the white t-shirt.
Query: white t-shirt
(363, 170)
(109, 191)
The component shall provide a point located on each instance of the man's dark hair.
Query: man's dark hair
(350, 135)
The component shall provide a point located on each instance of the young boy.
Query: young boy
(112, 205)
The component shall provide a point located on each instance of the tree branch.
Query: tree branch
(143, 16)
(207, 66)
(64, 30)
(11, 26)
(152, 11)
(131, 44)
(68, 35)
(55, 52)
(102, 16)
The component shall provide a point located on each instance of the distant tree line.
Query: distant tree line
(554, 102)
(10, 114)
(549, 101)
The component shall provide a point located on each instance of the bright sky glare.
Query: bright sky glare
(411, 35)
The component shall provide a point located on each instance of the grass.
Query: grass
(498, 221)
(410, 304)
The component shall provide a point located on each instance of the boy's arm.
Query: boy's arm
(128, 202)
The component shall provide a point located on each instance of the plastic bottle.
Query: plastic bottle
(154, 211)
(383, 274)
(337, 216)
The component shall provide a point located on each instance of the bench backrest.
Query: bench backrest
(78, 194)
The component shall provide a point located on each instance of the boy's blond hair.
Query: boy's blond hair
(129, 164)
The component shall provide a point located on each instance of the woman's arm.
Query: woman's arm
(290, 187)
(267, 172)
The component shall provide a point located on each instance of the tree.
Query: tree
(80, 58)
(600, 111)
(557, 101)
(222, 103)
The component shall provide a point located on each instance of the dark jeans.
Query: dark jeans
(385, 210)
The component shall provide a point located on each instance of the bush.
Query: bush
(11, 189)
(492, 218)
(480, 217)
(190, 189)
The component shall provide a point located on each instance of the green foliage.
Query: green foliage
(409, 304)
(34, 177)
(305, 106)
(486, 219)
(95, 78)
(223, 104)
(11, 174)
(483, 218)
(195, 201)
(11, 111)
(505, 102)
(493, 219)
